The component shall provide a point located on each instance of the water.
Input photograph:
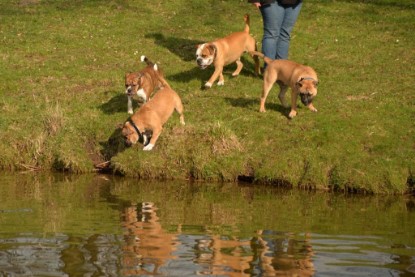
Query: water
(60, 225)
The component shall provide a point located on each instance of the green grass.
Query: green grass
(61, 93)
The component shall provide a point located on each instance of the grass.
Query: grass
(61, 93)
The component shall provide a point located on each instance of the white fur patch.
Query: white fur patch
(142, 58)
(127, 89)
(142, 94)
(199, 49)
(149, 147)
(209, 85)
(145, 139)
(155, 67)
(130, 105)
(221, 83)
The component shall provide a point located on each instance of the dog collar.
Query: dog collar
(307, 78)
(135, 128)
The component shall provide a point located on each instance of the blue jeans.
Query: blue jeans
(279, 21)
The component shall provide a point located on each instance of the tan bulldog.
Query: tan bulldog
(143, 83)
(300, 78)
(225, 51)
(146, 124)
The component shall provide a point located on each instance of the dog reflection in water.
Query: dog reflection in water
(232, 256)
(285, 256)
(147, 245)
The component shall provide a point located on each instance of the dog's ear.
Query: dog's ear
(211, 48)
(299, 84)
(119, 125)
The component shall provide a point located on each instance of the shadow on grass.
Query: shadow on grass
(205, 74)
(117, 104)
(185, 49)
(110, 148)
(254, 102)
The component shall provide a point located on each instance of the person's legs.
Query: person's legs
(273, 16)
(290, 17)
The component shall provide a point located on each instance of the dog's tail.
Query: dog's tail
(146, 60)
(265, 58)
(246, 20)
(160, 77)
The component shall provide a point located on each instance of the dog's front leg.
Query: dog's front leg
(216, 74)
(311, 107)
(293, 111)
(130, 105)
(154, 137)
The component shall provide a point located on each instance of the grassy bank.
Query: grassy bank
(61, 93)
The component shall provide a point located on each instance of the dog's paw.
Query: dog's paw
(292, 114)
(130, 111)
(221, 83)
(149, 147)
(208, 85)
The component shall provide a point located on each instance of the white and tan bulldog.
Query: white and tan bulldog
(225, 51)
(146, 124)
(143, 83)
(300, 78)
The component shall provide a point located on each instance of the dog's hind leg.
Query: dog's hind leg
(179, 110)
(269, 81)
(266, 88)
(239, 66)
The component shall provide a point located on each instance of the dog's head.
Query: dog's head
(307, 88)
(132, 135)
(134, 84)
(205, 54)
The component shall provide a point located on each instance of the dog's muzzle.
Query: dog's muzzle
(201, 64)
(129, 91)
(306, 98)
(127, 142)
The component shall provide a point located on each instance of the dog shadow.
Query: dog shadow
(253, 104)
(205, 74)
(117, 104)
(114, 145)
(195, 73)
(185, 49)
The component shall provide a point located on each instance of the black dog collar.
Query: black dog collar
(142, 136)
(135, 128)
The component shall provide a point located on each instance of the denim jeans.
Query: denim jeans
(278, 20)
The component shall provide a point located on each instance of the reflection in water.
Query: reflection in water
(147, 245)
(283, 256)
(94, 226)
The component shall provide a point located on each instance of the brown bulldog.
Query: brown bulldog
(143, 83)
(225, 51)
(148, 121)
(300, 78)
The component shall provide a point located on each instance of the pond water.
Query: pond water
(95, 225)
